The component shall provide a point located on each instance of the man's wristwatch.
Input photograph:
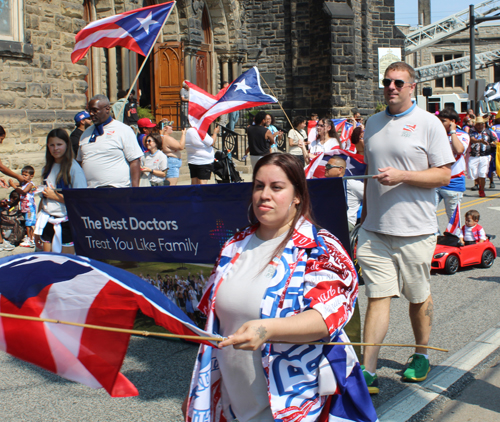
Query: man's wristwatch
(453, 132)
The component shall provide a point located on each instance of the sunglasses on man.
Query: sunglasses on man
(399, 83)
(330, 166)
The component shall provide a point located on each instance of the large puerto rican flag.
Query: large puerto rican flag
(244, 92)
(355, 164)
(135, 30)
(79, 290)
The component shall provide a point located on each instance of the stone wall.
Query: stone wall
(317, 63)
(41, 88)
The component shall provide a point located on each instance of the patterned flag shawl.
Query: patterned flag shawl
(314, 272)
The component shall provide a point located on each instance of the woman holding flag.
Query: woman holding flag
(327, 140)
(303, 290)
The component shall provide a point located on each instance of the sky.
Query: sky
(407, 10)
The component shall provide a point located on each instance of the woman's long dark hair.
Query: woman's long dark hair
(295, 174)
(67, 159)
(356, 135)
(332, 133)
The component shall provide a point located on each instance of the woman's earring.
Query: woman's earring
(248, 214)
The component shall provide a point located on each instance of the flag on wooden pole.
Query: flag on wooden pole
(136, 30)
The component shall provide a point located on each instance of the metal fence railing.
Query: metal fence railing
(232, 142)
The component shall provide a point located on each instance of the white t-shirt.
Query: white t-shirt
(106, 161)
(78, 181)
(238, 301)
(296, 136)
(199, 151)
(469, 236)
(414, 141)
(317, 147)
(355, 189)
(156, 161)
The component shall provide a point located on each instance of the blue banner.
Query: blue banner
(186, 224)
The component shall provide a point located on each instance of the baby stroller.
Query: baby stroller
(12, 225)
(224, 169)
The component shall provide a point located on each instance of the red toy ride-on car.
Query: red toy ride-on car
(450, 256)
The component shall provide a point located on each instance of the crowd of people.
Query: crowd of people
(184, 291)
(304, 287)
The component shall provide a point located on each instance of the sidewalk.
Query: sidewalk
(479, 401)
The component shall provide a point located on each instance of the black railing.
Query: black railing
(281, 143)
(232, 142)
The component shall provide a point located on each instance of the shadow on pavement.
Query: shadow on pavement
(160, 368)
(487, 396)
(492, 279)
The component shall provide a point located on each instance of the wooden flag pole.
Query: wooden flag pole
(274, 95)
(197, 338)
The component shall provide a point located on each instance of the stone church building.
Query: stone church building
(316, 56)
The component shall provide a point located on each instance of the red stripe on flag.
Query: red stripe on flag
(207, 121)
(26, 340)
(171, 324)
(103, 352)
(127, 42)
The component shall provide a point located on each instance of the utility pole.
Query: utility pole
(472, 24)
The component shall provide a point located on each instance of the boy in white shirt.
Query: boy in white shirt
(472, 232)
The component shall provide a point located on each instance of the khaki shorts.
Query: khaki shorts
(394, 264)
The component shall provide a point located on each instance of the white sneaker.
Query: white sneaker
(26, 244)
(7, 246)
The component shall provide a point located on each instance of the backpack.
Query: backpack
(12, 226)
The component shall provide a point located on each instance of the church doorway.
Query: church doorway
(173, 63)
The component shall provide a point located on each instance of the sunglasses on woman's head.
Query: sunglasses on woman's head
(399, 83)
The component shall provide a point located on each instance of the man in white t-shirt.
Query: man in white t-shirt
(407, 150)
(109, 152)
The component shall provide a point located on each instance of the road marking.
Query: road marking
(415, 397)
(494, 208)
(464, 205)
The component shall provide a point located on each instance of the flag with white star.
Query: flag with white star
(135, 30)
(244, 92)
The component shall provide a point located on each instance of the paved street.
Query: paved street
(466, 305)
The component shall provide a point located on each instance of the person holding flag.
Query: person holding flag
(408, 152)
(304, 291)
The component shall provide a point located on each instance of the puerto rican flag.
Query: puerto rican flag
(244, 92)
(135, 30)
(455, 224)
(344, 129)
(80, 290)
(355, 164)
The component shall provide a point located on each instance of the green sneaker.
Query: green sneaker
(418, 369)
(371, 381)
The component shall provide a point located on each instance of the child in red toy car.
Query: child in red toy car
(472, 232)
